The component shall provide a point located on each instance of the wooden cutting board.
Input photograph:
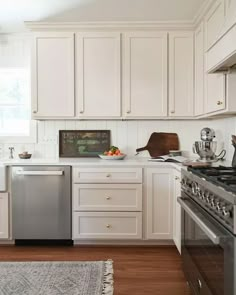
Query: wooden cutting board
(160, 143)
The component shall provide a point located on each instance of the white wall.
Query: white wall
(128, 135)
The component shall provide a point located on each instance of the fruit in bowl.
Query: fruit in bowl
(114, 153)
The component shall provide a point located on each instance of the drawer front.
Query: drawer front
(107, 197)
(107, 175)
(107, 225)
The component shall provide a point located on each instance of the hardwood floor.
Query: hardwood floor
(137, 270)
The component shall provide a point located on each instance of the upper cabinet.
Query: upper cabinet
(199, 71)
(214, 21)
(145, 75)
(181, 73)
(215, 93)
(53, 75)
(98, 75)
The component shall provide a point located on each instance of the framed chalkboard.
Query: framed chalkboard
(83, 143)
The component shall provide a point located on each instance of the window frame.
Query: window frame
(33, 136)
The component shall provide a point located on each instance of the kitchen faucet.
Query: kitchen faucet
(11, 152)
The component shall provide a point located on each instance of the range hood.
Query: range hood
(221, 56)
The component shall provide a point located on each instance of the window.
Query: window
(15, 115)
(14, 102)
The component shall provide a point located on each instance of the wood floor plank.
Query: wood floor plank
(137, 270)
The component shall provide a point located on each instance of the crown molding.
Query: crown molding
(121, 25)
(202, 12)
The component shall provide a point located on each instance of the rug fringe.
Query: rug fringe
(108, 278)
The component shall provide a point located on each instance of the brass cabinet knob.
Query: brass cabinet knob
(34, 112)
(108, 226)
(219, 102)
(176, 178)
(108, 198)
(172, 112)
(128, 112)
(81, 112)
(108, 175)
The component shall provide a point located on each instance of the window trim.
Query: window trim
(32, 138)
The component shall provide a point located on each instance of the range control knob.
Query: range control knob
(225, 212)
(213, 202)
(218, 206)
(195, 188)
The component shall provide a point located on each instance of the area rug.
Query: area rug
(56, 278)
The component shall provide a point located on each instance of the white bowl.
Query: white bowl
(120, 157)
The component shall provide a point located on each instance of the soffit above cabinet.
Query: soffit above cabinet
(14, 13)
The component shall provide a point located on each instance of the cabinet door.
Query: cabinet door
(145, 75)
(159, 195)
(98, 75)
(215, 92)
(53, 75)
(177, 211)
(181, 70)
(199, 71)
(4, 217)
(213, 22)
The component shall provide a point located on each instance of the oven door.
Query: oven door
(207, 251)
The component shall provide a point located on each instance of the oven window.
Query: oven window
(208, 257)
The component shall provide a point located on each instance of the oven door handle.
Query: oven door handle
(215, 238)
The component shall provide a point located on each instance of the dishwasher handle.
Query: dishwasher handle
(39, 173)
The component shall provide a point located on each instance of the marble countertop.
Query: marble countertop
(97, 162)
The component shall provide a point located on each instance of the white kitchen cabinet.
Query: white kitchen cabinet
(53, 75)
(221, 94)
(199, 71)
(107, 203)
(177, 211)
(214, 21)
(145, 75)
(107, 197)
(181, 70)
(98, 75)
(215, 97)
(4, 216)
(107, 175)
(107, 225)
(159, 202)
(215, 84)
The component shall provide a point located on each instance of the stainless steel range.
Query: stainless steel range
(208, 201)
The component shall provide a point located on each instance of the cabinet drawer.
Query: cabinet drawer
(107, 225)
(107, 175)
(107, 197)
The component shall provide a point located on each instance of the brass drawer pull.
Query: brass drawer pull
(219, 102)
(108, 226)
(108, 198)
(108, 175)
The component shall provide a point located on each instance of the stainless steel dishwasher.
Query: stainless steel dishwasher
(41, 203)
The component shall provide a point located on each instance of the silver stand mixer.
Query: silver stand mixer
(206, 148)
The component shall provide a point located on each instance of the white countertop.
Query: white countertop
(97, 162)
(134, 161)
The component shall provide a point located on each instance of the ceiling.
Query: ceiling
(14, 12)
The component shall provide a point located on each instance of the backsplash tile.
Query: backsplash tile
(128, 135)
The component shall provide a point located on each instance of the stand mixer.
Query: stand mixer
(206, 148)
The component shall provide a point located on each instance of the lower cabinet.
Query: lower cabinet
(107, 203)
(116, 208)
(4, 216)
(177, 211)
(107, 225)
(159, 199)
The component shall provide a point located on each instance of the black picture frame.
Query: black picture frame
(83, 143)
